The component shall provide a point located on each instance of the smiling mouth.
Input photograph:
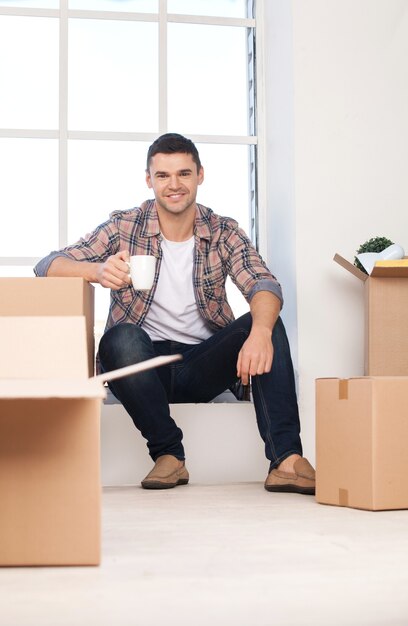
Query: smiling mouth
(175, 196)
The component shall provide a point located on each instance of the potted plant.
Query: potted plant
(375, 244)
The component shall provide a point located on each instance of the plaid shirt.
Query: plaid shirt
(221, 249)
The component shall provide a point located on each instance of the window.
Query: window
(94, 84)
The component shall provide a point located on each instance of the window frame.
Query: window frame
(256, 122)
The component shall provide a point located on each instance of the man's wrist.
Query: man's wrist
(92, 274)
(261, 329)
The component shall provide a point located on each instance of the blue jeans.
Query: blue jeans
(207, 369)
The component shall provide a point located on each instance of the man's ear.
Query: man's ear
(148, 179)
(200, 175)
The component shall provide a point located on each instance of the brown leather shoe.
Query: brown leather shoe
(168, 472)
(301, 481)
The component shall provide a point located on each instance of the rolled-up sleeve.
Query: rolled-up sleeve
(246, 267)
(42, 267)
(267, 285)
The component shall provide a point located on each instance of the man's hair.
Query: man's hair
(171, 143)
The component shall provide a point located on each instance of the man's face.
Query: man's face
(174, 180)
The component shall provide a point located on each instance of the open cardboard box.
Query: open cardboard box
(361, 442)
(50, 490)
(386, 307)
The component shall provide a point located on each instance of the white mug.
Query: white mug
(142, 270)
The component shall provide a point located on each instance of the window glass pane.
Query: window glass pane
(226, 181)
(108, 175)
(103, 176)
(102, 301)
(16, 271)
(113, 76)
(226, 191)
(28, 196)
(29, 78)
(137, 6)
(221, 8)
(32, 4)
(208, 90)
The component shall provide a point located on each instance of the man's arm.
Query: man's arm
(256, 354)
(113, 273)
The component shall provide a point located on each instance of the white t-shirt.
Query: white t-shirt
(173, 313)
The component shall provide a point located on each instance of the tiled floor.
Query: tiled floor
(223, 554)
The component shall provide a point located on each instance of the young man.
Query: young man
(187, 312)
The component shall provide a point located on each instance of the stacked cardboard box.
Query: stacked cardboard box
(385, 311)
(49, 424)
(362, 423)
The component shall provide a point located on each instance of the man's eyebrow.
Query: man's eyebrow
(186, 170)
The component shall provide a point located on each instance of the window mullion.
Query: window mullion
(260, 124)
(252, 130)
(162, 66)
(63, 126)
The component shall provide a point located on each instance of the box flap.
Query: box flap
(13, 388)
(51, 388)
(156, 361)
(350, 267)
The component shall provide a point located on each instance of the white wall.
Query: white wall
(337, 149)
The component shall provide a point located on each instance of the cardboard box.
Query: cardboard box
(50, 488)
(386, 306)
(51, 297)
(361, 442)
(49, 442)
(49, 476)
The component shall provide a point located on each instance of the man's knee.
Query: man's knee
(279, 336)
(124, 344)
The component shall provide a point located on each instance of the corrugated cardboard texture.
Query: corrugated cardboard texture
(361, 441)
(49, 482)
(390, 443)
(49, 297)
(343, 436)
(43, 347)
(386, 328)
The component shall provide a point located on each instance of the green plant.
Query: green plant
(375, 244)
